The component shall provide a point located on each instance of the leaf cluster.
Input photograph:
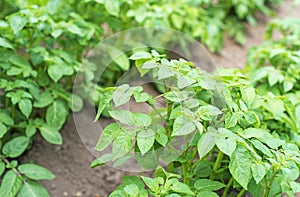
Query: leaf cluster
(221, 124)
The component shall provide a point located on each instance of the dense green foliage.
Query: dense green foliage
(275, 68)
(41, 45)
(228, 142)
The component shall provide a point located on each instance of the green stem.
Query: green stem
(217, 165)
(268, 189)
(153, 107)
(6, 102)
(14, 169)
(240, 194)
(194, 154)
(184, 170)
(168, 119)
(227, 187)
(13, 112)
(171, 167)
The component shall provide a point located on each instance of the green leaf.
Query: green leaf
(181, 188)
(33, 189)
(140, 55)
(55, 73)
(295, 186)
(101, 160)
(133, 180)
(208, 185)
(230, 120)
(173, 195)
(103, 102)
(240, 167)
(248, 95)
(131, 189)
(11, 184)
(15, 147)
(19, 61)
(287, 85)
(76, 104)
(149, 160)
(25, 106)
(182, 126)
(207, 142)
(260, 146)
(152, 184)
(177, 20)
(209, 110)
(184, 81)
(207, 194)
(263, 136)
(112, 7)
(145, 140)
(44, 100)
(150, 64)
(121, 145)
(4, 43)
(142, 119)
(74, 29)
(274, 77)
(51, 134)
(3, 130)
(275, 106)
(6, 119)
(124, 116)
(258, 171)
(17, 23)
(2, 167)
(162, 139)
(30, 130)
(118, 193)
(13, 71)
(119, 57)
(225, 143)
(43, 78)
(141, 97)
(36, 172)
(107, 136)
(165, 72)
(122, 94)
(121, 160)
(203, 169)
(57, 114)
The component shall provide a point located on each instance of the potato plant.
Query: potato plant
(206, 20)
(41, 45)
(275, 68)
(40, 56)
(226, 148)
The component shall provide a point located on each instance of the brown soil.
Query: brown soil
(70, 162)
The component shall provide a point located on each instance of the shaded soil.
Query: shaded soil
(70, 162)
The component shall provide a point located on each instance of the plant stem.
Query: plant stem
(184, 170)
(168, 119)
(193, 157)
(240, 194)
(6, 102)
(14, 169)
(268, 189)
(153, 107)
(13, 111)
(227, 187)
(217, 165)
(171, 167)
